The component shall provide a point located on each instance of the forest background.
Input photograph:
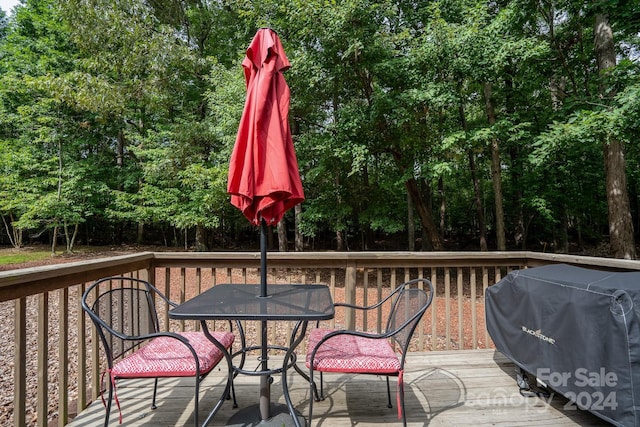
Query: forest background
(418, 125)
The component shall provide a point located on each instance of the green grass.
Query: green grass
(11, 257)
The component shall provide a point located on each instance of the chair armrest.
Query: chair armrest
(354, 333)
(151, 336)
(162, 296)
(368, 307)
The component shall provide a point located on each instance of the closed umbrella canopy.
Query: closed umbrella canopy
(264, 181)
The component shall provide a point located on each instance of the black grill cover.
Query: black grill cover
(577, 330)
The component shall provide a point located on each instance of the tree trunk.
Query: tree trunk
(269, 238)
(563, 247)
(14, 234)
(71, 242)
(411, 227)
(119, 231)
(54, 242)
(340, 243)
(620, 221)
(443, 205)
(299, 240)
(140, 233)
(425, 190)
(515, 176)
(283, 245)
(425, 215)
(425, 243)
(496, 174)
(67, 239)
(201, 238)
(482, 227)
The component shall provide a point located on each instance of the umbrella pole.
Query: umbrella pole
(265, 380)
(263, 258)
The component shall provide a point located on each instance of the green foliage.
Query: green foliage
(119, 113)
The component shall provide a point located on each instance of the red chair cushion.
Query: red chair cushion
(352, 354)
(168, 357)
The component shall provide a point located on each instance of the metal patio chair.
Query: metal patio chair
(356, 352)
(123, 310)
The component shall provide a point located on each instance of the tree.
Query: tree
(620, 221)
(41, 125)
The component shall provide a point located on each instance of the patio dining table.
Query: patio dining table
(299, 303)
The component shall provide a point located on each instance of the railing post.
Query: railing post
(149, 274)
(350, 294)
(43, 359)
(20, 365)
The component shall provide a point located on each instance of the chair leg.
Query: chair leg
(106, 417)
(233, 393)
(313, 392)
(195, 409)
(401, 392)
(389, 405)
(155, 392)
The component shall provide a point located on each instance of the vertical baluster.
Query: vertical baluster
(82, 353)
(42, 409)
(63, 356)
(20, 364)
(332, 284)
(423, 321)
(460, 310)
(379, 288)
(182, 290)
(198, 290)
(95, 356)
(485, 285)
(350, 295)
(167, 293)
(474, 320)
(365, 298)
(434, 310)
(447, 307)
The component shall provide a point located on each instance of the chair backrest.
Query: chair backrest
(409, 305)
(123, 311)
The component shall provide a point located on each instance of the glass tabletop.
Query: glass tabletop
(243, 302)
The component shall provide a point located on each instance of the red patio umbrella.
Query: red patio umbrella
(264, 181)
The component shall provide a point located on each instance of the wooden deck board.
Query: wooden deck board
(449, 388)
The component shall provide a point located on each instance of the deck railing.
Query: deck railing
(43, 306)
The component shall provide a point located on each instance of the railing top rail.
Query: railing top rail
(386, 259)
(28, 281)
(538, 258)
(338, 259)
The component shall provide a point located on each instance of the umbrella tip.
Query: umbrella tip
(268, 28)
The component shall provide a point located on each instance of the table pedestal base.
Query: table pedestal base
(250, 417)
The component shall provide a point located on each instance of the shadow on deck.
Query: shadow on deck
(444, 388)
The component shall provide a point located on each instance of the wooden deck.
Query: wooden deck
(444, 388)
